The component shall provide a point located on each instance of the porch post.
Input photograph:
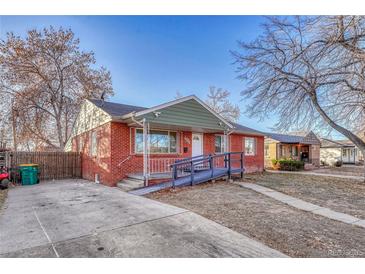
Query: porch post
(145, 152)
(225, 141)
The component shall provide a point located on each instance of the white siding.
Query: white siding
(90, 116)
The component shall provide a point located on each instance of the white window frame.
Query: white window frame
(93, 144)
(254, 145)
(222, 143)
(157, 153)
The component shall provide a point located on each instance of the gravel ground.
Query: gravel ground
(342, 195)
(291, 231)
(3, 194)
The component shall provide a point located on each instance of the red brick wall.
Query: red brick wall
(208, 143)
(123, 148)
(116, 144)
(101, 163)
(254, 163)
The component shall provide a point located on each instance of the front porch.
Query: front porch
(299, 152)
(162, 169)
(199, 169)
(171, 132)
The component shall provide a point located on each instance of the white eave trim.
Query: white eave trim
(171, 103)
(248, 133)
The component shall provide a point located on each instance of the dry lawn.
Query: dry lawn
(342, 195)
(291, 231)
(348, 170)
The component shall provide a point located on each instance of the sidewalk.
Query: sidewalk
(302, 205)
(361, 178)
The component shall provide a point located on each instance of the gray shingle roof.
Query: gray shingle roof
(115, 109)
(284, 138)
(243, 129)
(304, 138)
(327, 143)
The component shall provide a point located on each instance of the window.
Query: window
(282, 150)
(250, 146)
(160, 141)
(266, 150)
(93, 145)
(219, 144)
(295, 151)
(344, 153)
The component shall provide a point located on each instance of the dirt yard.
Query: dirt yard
(3, 194)
(342, 195)
(291, 231)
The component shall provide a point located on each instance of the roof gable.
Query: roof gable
(311, 138)
(192, 99)
(188, 112)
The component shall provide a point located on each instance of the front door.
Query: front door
(348, 155)
(197, 144)
(345, 155)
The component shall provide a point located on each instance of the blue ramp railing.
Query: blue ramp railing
(202, 168)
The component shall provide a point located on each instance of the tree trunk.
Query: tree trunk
(358, 142)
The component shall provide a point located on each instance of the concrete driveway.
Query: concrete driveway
(76, 218)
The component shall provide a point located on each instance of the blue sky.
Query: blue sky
(153, 57)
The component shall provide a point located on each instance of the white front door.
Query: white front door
(197, 144)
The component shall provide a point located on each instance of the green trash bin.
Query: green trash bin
(29, 174)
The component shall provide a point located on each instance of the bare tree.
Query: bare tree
(178, 95)
(218, 100)
(47, 76)
(309, 71)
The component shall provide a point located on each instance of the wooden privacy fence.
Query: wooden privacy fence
(52, 165)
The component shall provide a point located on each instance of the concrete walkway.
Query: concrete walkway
(76, 218)
(300, 204)
(361, 178)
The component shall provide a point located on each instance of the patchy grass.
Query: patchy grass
(3, 195)
(291, 231)
(342, 195)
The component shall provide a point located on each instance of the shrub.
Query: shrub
(288, 164)
(338, 163)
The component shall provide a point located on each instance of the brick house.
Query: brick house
(304, 146)
(117, 140)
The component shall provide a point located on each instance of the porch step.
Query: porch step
(130, 184)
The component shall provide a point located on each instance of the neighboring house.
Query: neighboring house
(340, 150)
(301, 146)
(118, 140)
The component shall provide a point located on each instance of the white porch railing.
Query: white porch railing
(161, 165)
